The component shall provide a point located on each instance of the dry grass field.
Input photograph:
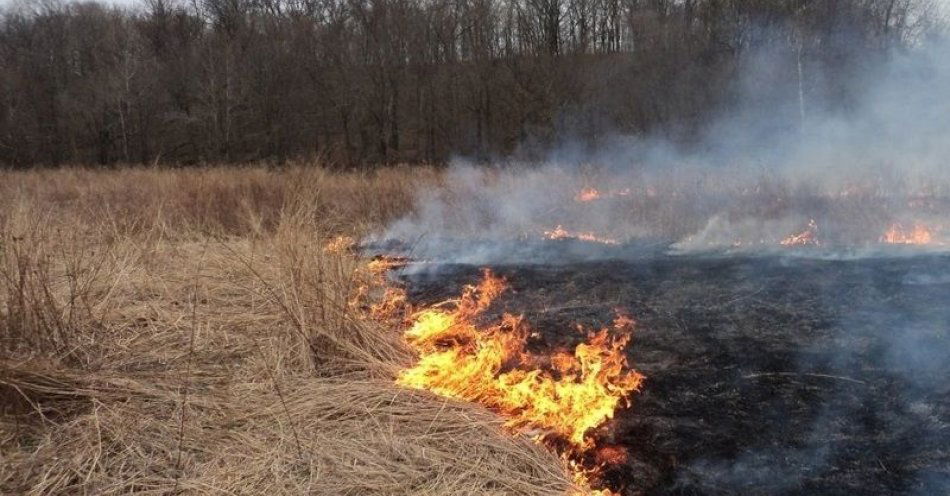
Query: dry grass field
(183, 331)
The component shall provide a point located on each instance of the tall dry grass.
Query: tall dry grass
(224, 200)
(183, 331)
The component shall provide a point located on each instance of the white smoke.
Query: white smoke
(760, 173)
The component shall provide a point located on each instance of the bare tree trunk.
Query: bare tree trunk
(801, 85)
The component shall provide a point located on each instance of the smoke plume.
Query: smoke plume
(858, 162)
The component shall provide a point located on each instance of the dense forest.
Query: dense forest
(382, 81)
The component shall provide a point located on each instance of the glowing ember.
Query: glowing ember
(560, 233)
(582, 477)
(589, 194)
(918, 235)
(556, 399)
(808, 237)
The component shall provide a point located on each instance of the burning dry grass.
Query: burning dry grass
(558, 397)
(184, 331)
(695, 209)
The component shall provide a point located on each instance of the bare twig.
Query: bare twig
(802, 374)
(191, 353)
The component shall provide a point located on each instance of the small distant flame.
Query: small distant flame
(918, 235)
(587, 195)
(808, 237)
(560, 233)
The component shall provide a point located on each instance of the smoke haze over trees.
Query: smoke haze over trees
(383, 81)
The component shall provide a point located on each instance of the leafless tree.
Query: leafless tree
(363, 82)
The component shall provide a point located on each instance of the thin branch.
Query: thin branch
(803, 374)
(191, 353)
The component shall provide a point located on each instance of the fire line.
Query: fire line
(558, 399)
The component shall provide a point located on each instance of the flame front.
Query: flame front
(808, 237)
(918, 235)
(560, 233)
(381, 264)
(555, 398)
(587, 194)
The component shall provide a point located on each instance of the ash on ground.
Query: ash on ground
(765, 375)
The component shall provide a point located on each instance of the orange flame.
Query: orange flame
(373, 280)
(340, 244)
(392, 304)
(562, 397)
(808, 237)
(587, 194)
(918, 235)
(381, 264)
(560, 233)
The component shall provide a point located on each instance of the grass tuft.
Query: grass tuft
(183, 331)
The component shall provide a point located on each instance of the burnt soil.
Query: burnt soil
(765, 375)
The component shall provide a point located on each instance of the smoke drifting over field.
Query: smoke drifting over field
(799, 166)
(887, 359)
(818, 371)
(765, 375)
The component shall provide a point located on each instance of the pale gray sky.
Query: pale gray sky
(944, 3)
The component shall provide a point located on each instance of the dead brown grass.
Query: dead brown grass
(183, 331)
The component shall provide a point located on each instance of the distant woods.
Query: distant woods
(382, 81)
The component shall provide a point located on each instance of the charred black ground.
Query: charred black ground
(765, 375)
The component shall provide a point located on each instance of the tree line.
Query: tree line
(382, 81)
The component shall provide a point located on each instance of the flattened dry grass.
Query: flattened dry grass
(183, 331)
